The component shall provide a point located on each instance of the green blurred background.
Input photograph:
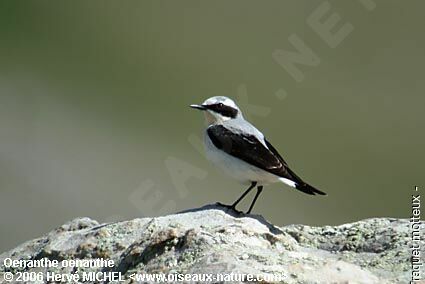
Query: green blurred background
(94, 117)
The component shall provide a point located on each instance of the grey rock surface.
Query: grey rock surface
(214, 240)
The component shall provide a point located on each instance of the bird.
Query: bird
(242, 151)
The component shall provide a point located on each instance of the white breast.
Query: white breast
(236, 168)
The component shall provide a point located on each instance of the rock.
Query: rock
(213, 240)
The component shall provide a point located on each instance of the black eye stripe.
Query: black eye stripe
(223, 110)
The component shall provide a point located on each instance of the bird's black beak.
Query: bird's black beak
(200, 107)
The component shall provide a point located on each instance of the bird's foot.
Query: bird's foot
(230, 207)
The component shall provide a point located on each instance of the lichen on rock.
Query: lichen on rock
(213, 240)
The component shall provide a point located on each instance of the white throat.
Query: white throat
(214, 118)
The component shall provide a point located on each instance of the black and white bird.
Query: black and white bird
(242, 151)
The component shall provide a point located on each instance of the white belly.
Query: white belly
(237, 168)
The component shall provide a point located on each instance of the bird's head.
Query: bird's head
(219, 109)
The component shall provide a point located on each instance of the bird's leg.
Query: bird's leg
(253, 184)
(233, 206)
(259, 189)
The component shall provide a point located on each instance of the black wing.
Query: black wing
(249, 149)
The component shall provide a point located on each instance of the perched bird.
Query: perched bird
(235, 145)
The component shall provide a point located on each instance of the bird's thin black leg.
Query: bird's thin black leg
(259, 189)
(253, 184)
(233, 206)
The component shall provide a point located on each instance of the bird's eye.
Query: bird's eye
(220, 105)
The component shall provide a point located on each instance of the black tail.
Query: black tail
(306, 188)
(303, 186)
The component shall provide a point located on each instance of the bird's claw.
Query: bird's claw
(230, 207)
